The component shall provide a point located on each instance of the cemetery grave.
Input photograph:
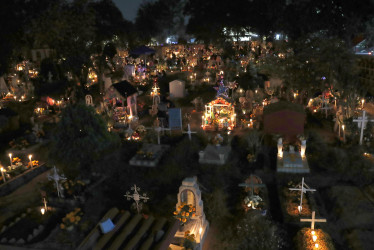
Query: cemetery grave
(30, 226)
(149, 155)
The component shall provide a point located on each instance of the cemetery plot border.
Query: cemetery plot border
(29, 227)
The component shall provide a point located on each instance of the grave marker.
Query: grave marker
(313, 220)
(303, 187)
(361, 122)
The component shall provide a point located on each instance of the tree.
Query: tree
(80, 138)
(159, 19)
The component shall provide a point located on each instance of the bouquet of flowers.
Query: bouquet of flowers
(74, 187)
(185, 212)
(71, 219)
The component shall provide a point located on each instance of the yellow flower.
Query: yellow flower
(187, 214)
(175, 212)
(184, 220)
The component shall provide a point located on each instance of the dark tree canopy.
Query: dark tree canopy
(80, 138)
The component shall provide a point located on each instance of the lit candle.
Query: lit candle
(10, 158)
(30, 156)
(343, 132)
(316, 245)
(2, 173)
(314, 238)
(363, 101)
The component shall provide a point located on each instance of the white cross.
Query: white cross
(189, 132)
(158, 130)
(303, 187)
(137, 197)
(56, 178)
(129, 131)
(361, 122)
(325, 106)
(313, 220)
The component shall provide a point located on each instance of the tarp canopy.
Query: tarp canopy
(142, 50)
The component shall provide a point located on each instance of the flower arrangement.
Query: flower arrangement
(145, 155)
(71, 219)
(73, 187)
(185, 212)
(33, 164)
(217, 140)
(19, 144)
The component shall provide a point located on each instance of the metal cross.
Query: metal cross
(313, 220)
(361, 122)
(303, 187)
(56, 178)
(189, 132)
(251, 184)
(137, 197)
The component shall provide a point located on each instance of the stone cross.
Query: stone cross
(137, 197)
(189, 132)
(89, 100)
(56, 178)
(303, 187)
(313, 220)
(361, 122)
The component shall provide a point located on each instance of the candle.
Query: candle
(30, 156)
(10, 158)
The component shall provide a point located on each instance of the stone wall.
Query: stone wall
(13, 184)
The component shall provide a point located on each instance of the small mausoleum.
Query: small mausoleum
(124, 92)
(287, 121)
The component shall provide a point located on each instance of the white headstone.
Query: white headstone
(177, 88)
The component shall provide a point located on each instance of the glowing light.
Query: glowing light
(313, 233)
(314, 238)
(316, 245)
(42, 210)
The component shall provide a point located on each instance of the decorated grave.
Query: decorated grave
(149, 155)
(296, 200)
(219, 114)
(291, 160)
(215, 154)
(256, 197)
(190, 213)
(310, 239)
(29, 227)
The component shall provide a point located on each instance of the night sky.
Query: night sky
(128, 8)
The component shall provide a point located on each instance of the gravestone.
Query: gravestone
(89, 101)
(190, 194)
